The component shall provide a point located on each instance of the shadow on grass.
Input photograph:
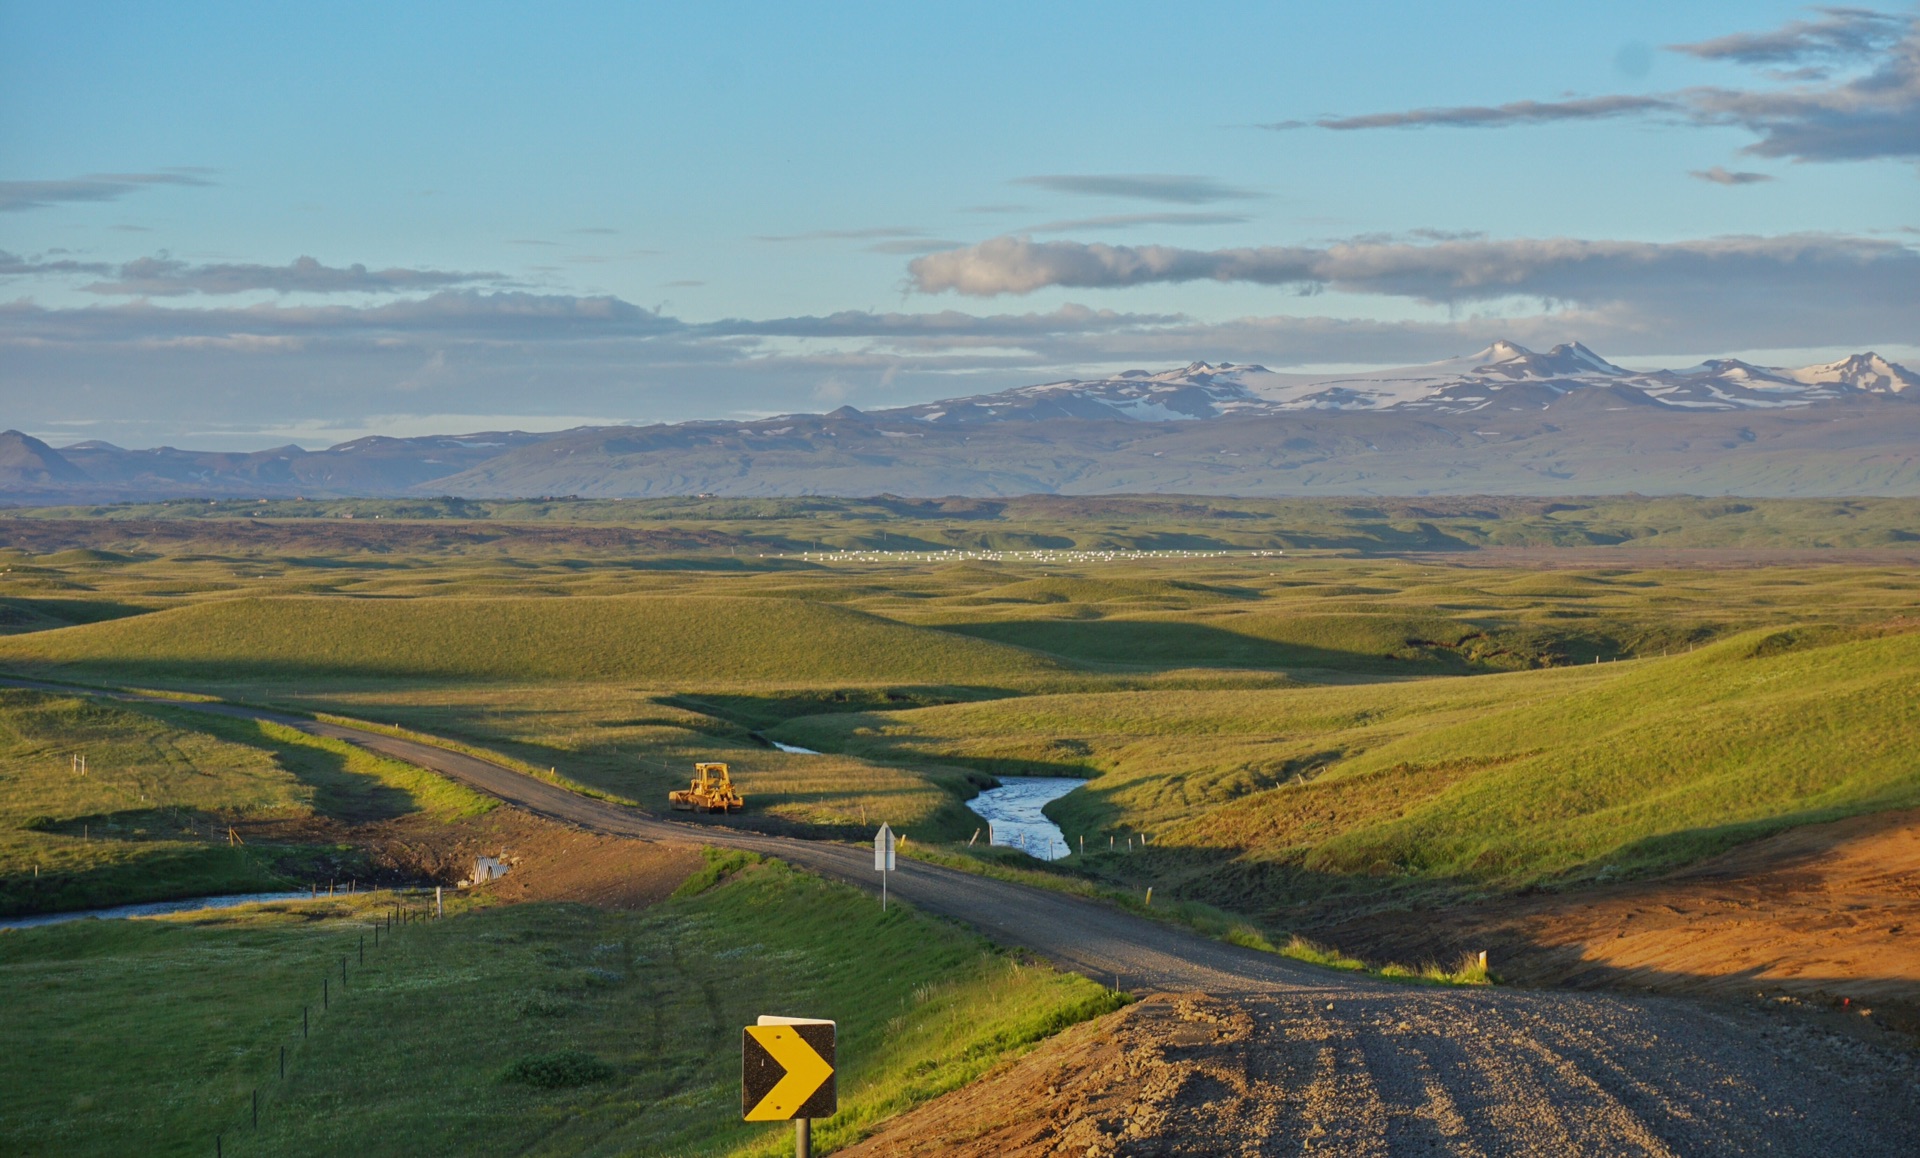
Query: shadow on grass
(25, 613)
(154, 874)
(1161, 644)
(766, 711)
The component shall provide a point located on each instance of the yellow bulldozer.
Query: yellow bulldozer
(712, 791)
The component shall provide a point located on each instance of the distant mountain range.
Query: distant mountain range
(1503, 374)
(1505, 420)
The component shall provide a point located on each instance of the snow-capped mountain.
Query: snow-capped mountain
(1505, 375)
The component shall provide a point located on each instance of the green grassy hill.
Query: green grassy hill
(1256, 797)
(689, 640)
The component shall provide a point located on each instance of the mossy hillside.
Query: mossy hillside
(423, 1050)
(682, 639)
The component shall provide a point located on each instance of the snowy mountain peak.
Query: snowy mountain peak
(1503, 376)
(1868, 372)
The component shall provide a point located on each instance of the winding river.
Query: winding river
(1014, 817)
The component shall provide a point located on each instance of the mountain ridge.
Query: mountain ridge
(1503, 420)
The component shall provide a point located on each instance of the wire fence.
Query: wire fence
(389, 922)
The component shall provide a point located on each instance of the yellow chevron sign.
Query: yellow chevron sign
(786, 1070)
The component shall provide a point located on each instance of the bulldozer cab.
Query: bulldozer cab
(714, 775)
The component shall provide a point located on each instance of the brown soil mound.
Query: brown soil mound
(548, 861)
(1826, 911)
(610, 872)
(1174, 1069)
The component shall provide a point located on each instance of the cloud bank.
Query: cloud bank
(1792, 268)
(1870, 113)
(18, 196)
(163, 276)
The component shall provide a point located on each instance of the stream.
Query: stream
(149, 909)
(1014, 817)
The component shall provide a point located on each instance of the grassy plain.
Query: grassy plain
(741, 528)
(1317, 733)
(1444, 714)
(149, 1036)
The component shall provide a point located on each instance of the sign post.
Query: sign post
(883, 860)
(787, 1074)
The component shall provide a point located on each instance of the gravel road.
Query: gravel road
(1352, 1065)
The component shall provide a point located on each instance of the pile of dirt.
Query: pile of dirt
(560, 863)
(1828, 913)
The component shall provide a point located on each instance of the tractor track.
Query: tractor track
(1330, 1062)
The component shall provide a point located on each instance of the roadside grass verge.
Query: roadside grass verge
(149, 1036)
(1207, 920)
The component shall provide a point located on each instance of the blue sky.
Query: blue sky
(617, 212)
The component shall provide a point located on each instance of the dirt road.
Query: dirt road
(1310, 1059)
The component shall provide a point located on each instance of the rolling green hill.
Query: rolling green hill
(1255, 797)
(691, 640)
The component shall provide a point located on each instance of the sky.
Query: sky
(243, 225)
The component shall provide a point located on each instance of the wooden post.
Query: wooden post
(326, 999)
(803, 1138)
